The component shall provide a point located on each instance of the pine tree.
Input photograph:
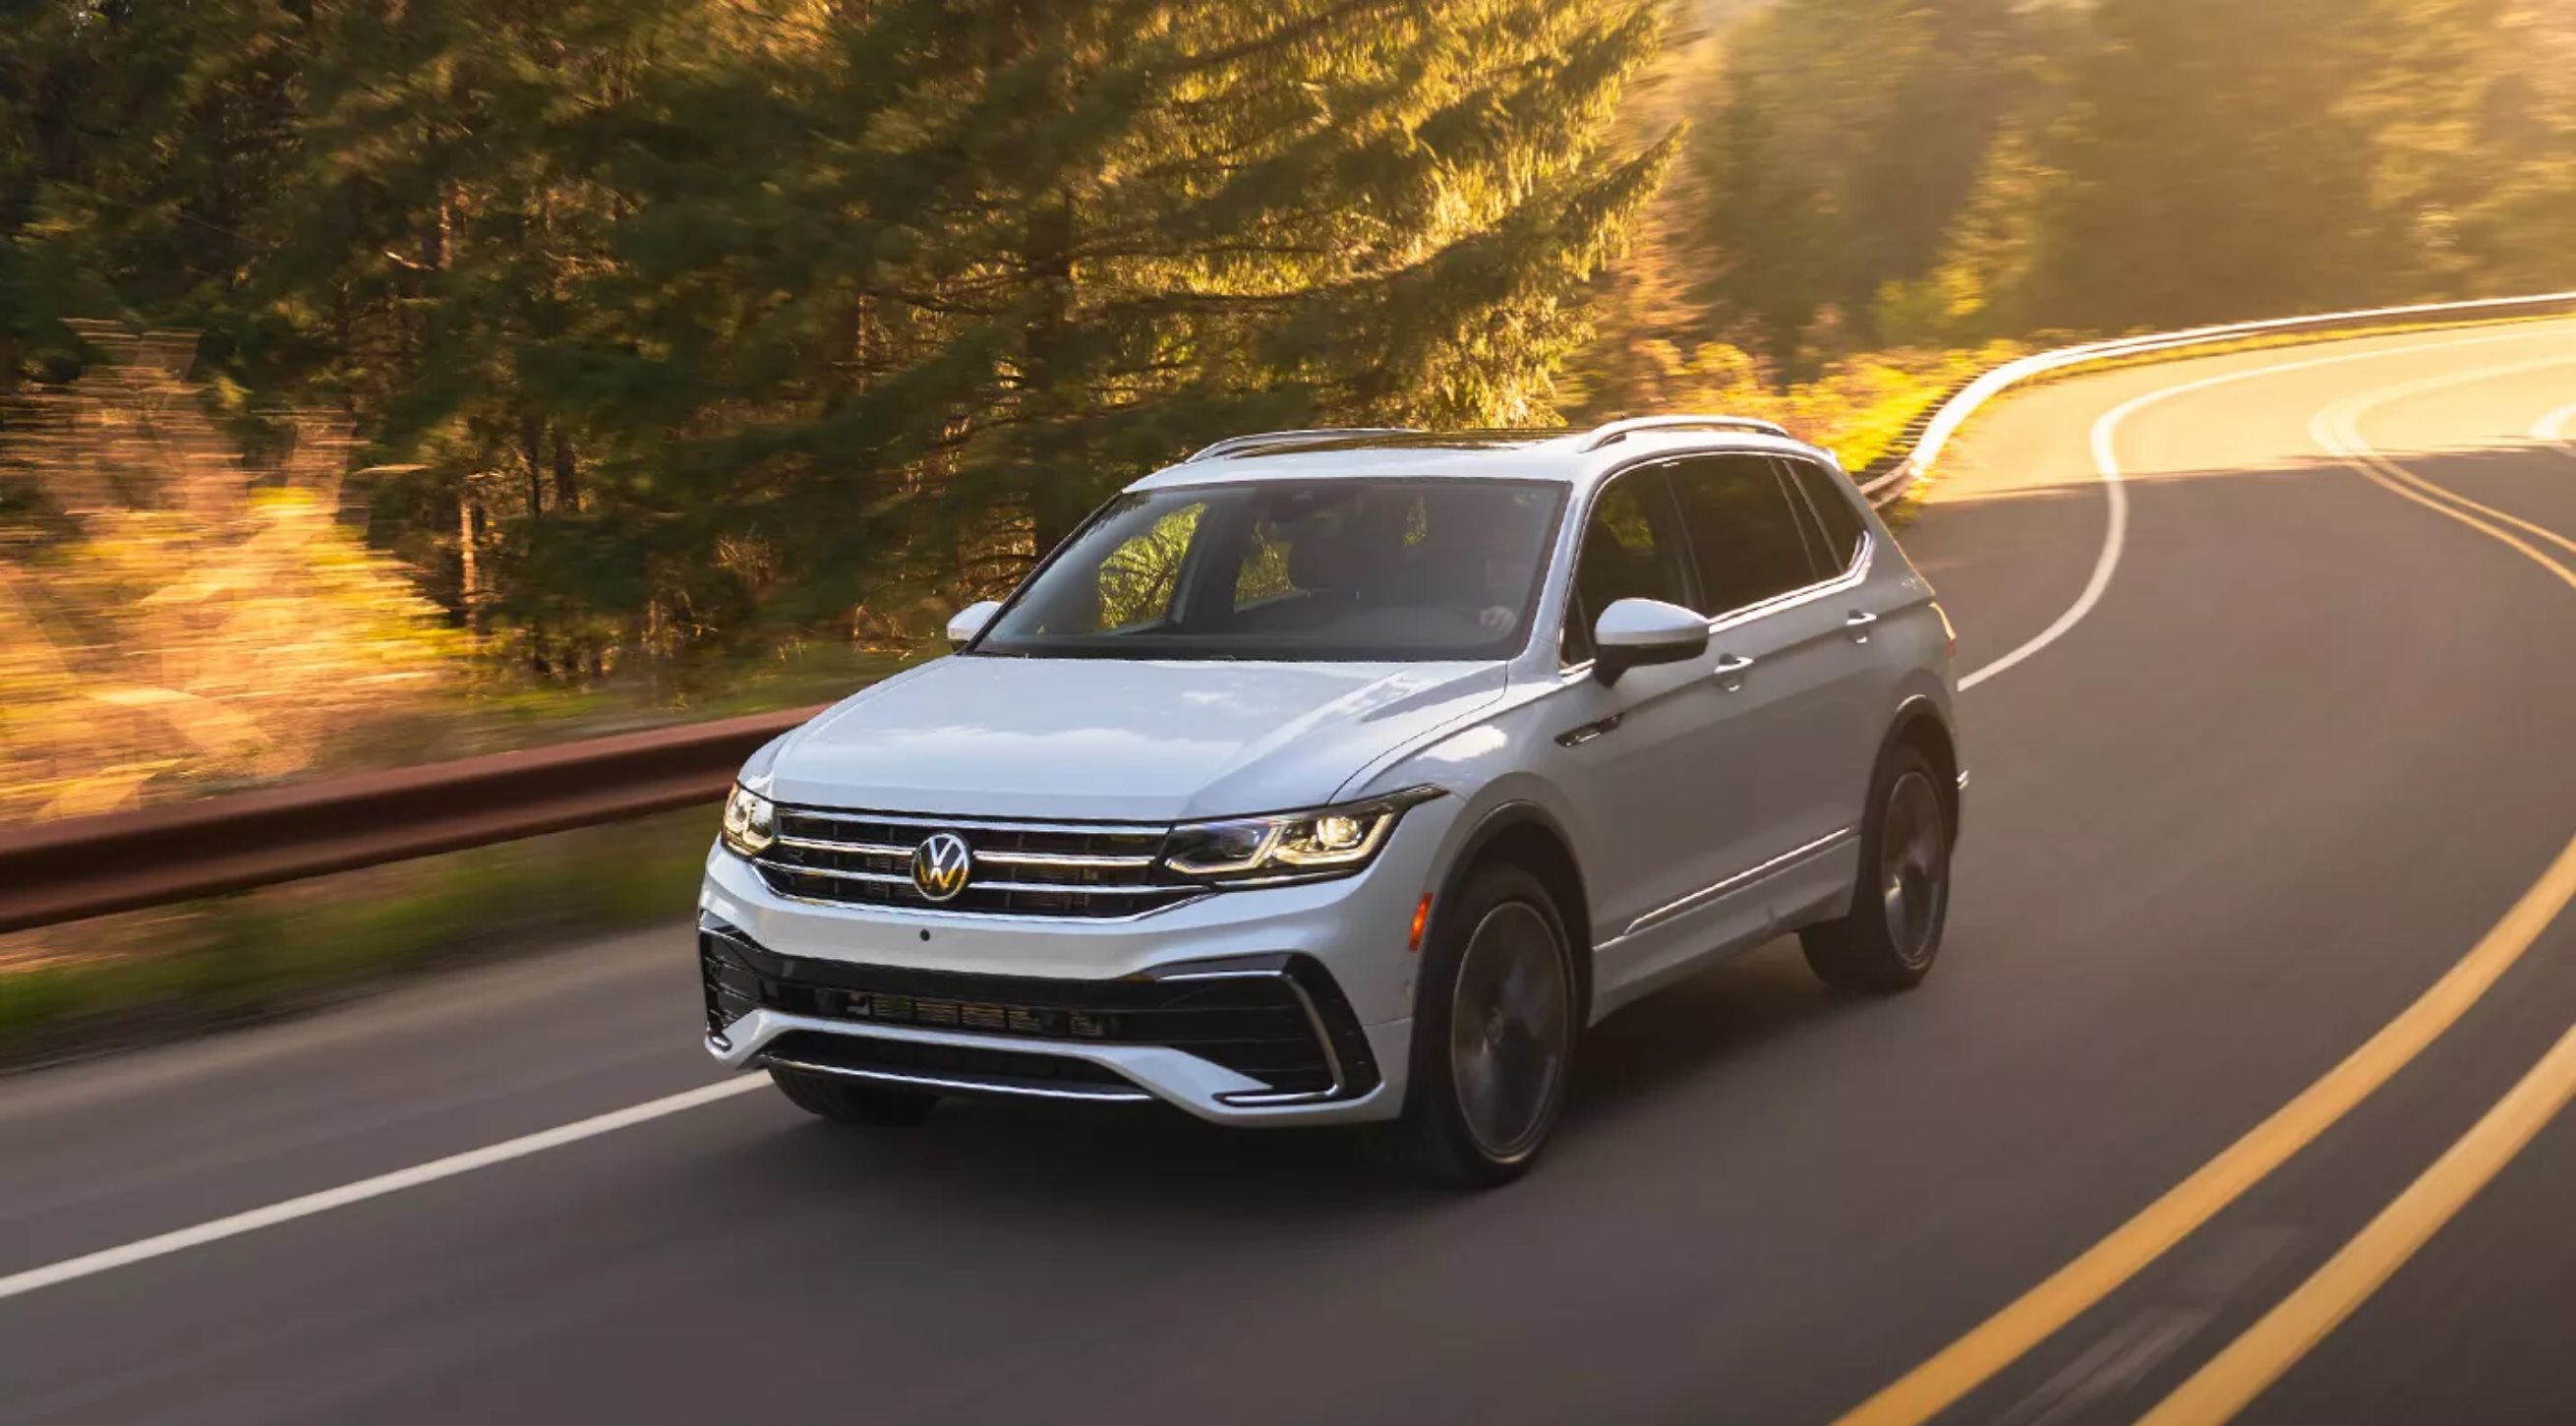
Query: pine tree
(1002, 258)
(669, 319)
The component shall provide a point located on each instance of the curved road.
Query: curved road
(2305, 748)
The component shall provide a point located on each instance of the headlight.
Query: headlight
(1292, 846)
(750, 822)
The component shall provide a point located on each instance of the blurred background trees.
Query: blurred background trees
(697, 318)
(653, 329)
(1868, 174)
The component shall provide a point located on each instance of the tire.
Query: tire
(851, 1101)
(1892, 934)
(1493, 1035)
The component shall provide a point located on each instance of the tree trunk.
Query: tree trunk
(567, 473)
(532, 435)
(1052, 395)
(469, 583)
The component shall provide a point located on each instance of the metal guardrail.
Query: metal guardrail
(89, 866)
(1931, 433)
(52, 872)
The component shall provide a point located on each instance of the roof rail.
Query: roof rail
(1232, 444)
(1620, 430)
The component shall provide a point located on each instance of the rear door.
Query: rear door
(1868, 609)
(1770, 582)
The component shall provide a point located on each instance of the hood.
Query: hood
(1113, 739)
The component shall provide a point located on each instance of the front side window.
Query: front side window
(1630, 550)
(1354, 568)
(1747, 540)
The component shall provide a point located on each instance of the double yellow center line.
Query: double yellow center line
(2231, 1380)
(2255, 1360)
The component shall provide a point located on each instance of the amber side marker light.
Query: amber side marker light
(1421, 918)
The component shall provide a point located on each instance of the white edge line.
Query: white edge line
(2106, 462)
(1956, 411)
(2553, 427)
(366, 1188)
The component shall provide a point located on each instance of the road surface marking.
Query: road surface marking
(2230, 1381)
(2337, 428)
(366, 1188)
(2553, 427)
(2002, 1339)
(2106, 463)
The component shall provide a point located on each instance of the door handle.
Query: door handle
(1729, 671)
(1858, 625)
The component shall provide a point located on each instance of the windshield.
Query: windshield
(1343, 569)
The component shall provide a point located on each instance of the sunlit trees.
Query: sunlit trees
(692, 317)
(170, 613)
(1960, 169)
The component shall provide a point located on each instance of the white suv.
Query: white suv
(1336, 776)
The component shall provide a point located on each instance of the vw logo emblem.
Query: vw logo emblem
(940, 865)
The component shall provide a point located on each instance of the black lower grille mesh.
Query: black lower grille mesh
(1258, 1025)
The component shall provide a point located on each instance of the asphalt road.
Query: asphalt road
(2298, 757)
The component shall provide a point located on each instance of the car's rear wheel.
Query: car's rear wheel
(846, 1101)
(1493, 1041)
(1892, 934)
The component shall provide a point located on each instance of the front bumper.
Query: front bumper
(1251, 1037)
(986, 1004)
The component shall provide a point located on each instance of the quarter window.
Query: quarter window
(1829, 498)
(1746, 537)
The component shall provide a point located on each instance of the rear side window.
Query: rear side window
(1631, 550)
(1747, 537)
(1828, 498)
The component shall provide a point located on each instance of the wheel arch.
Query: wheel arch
(1921, 724)
(1527, 835)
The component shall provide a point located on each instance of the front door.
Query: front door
(1648, 761)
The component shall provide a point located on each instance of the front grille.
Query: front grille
(1255, 1022)
(951, 1064)
(1019, 868)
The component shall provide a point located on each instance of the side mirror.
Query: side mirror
(966, 623)
(1635, 632)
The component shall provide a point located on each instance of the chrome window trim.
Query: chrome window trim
(1851, 576)
(1849, 579)
(1859, 552)
(1102, 1095)
(1684, 905)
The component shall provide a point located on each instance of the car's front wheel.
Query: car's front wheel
(852, 1102)
(1892, 934)
(1494, 1037)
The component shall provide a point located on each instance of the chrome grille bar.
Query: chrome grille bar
(1065, 859)
(977, 824)
(1051, 888)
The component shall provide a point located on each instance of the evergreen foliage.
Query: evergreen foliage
(678, 319)
(1943, 171)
